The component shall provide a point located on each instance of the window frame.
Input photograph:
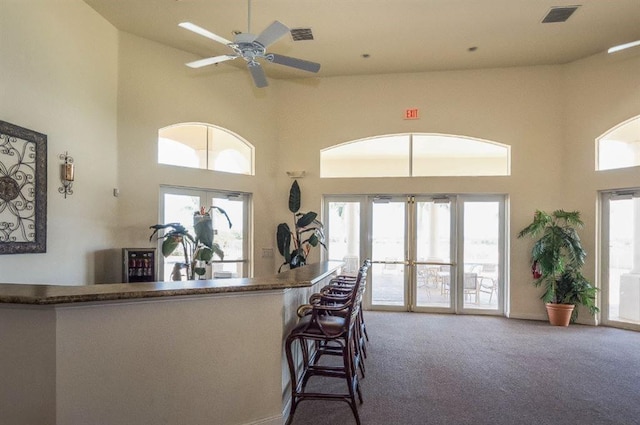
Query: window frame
(410, 158)
(209, 143)
(206, 198)
(633, 121)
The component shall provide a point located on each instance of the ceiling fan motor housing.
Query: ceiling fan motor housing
(247, 48)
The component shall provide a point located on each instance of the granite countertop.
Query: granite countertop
(12, 293)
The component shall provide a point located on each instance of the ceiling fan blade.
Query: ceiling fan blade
(293, 62)
(272, 33)
(259, 77)
(210, 61)
(199, 30)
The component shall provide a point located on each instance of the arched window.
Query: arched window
(620, 146)
(416, 155)
(204, 146)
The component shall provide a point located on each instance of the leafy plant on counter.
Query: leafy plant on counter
(307, 232)
(198, 251)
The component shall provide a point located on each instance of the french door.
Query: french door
(429, 253)
(177, 205)
(620, 272)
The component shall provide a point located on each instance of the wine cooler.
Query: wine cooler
(139, 265)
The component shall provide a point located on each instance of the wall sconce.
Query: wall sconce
(66, 174)
(296, 174)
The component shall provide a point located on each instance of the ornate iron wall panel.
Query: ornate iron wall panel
(23, 190)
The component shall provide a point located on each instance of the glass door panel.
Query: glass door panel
(343, 234)
(231, 239)
(388, 250)
(432, 253)
(439, 253)
(481, 247)
(623, 274)
(178, 208)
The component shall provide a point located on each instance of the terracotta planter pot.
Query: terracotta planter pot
(559, 314)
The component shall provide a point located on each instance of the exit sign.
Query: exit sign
(411, 114)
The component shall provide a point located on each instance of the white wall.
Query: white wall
(520, 107)
(58, 76)
(602, 91)
(550, 116)
(28, 365)
(155, 90)
(182, 360)
(176, 360)
(102, 95)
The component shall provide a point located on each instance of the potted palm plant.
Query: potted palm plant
(557, 259)
(198, 251)
(307, 232)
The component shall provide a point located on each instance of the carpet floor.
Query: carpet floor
(449, 369)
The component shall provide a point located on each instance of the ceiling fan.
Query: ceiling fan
(250, 48)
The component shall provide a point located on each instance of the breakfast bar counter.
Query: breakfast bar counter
(58, 294)
(191, 352)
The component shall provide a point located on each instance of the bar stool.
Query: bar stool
(347, 281)
(338, 291)
(336, 294)
(334, 326)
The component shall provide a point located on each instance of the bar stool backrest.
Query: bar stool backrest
(349, 310)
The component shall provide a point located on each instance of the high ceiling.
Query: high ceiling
(397, 35)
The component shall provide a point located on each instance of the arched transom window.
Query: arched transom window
(416, 155)
(205, 146)
(620, 146)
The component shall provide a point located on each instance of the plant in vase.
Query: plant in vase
(557, 259)
(307, 233)
(198, 251)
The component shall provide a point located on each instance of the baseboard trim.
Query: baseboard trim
(286, 409)
(528, 316)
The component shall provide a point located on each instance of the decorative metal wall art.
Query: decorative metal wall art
(23, 190)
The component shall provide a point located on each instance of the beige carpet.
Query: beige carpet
(448, 369)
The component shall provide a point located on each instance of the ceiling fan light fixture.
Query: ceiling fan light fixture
(623, 46)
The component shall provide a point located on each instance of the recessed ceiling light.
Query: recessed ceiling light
(623, 46)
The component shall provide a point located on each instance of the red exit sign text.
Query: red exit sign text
(411, 114)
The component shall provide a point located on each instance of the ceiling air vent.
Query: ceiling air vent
(301, 34)
(559, 14)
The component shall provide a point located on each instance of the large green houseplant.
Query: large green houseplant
(198, 251)
(557, 259)
(295, 244)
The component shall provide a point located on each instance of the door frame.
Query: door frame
(502, 266)
(206, 196)
(369, 201)
(456, 248)
(604, 242)
(453, 264)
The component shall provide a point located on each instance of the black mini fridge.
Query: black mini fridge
(139, 265)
